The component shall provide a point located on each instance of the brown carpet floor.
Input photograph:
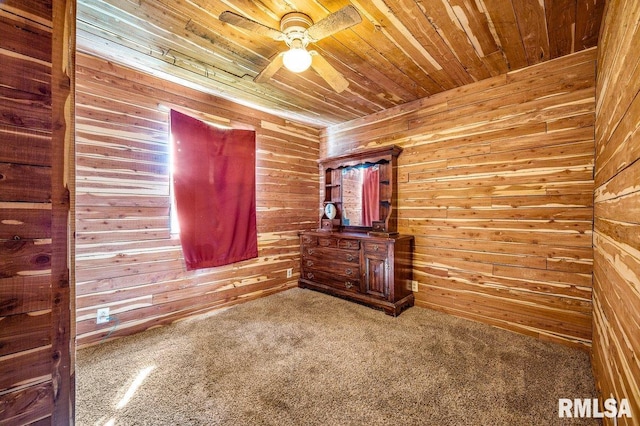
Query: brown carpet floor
(304, 358)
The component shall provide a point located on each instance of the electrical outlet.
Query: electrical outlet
(102, 316)
(289, 272)
(414, 286)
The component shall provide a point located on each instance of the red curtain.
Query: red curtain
(214, 190)
(370, 195)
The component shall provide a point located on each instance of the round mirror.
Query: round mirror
(330, 210)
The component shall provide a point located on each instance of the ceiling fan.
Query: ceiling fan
(297, 30)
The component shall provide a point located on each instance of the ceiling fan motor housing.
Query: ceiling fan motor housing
(294, 25)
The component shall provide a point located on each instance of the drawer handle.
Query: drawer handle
(375, 247)
(348, 284)
(310, 251)
(309, 263)
(349, 271)
(310, 275)
(350, 257)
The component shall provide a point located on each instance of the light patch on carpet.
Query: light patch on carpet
(142, 375)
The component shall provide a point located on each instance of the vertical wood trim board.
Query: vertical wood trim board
(496, 184)
(616, 326)
(126, 258)
(36, 134)
(62, 189)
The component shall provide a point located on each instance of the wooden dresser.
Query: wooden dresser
(374, 270)
(357, 253)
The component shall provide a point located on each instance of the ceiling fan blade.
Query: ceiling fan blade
(248, 24)
(337, 21)
(268, 72)
(327, 72)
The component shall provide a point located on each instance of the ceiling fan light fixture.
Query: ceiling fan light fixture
(297, 59)
(297, 30)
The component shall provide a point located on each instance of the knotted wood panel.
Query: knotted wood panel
(127, 257)
(496, 184)
(616, 340)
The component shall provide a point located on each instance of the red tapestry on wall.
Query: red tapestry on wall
(370, 195)
(214, 190)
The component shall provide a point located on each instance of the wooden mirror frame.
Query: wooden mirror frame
(331, 171)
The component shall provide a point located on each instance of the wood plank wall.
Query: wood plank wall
(36, 132)
(496, 184)
(616, 335)
(127, 259)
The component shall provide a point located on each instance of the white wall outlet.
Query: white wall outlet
(102, 316)
(414, 286)
(289, 272)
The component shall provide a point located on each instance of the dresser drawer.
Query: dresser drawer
(349, 244)
(330, 242)
(308, 240)
(329, 255)
(333, 280)
(375, 247)
(346, 270)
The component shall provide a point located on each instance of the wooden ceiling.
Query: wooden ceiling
(402, 50)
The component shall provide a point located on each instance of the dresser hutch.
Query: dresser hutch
(357, 253)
